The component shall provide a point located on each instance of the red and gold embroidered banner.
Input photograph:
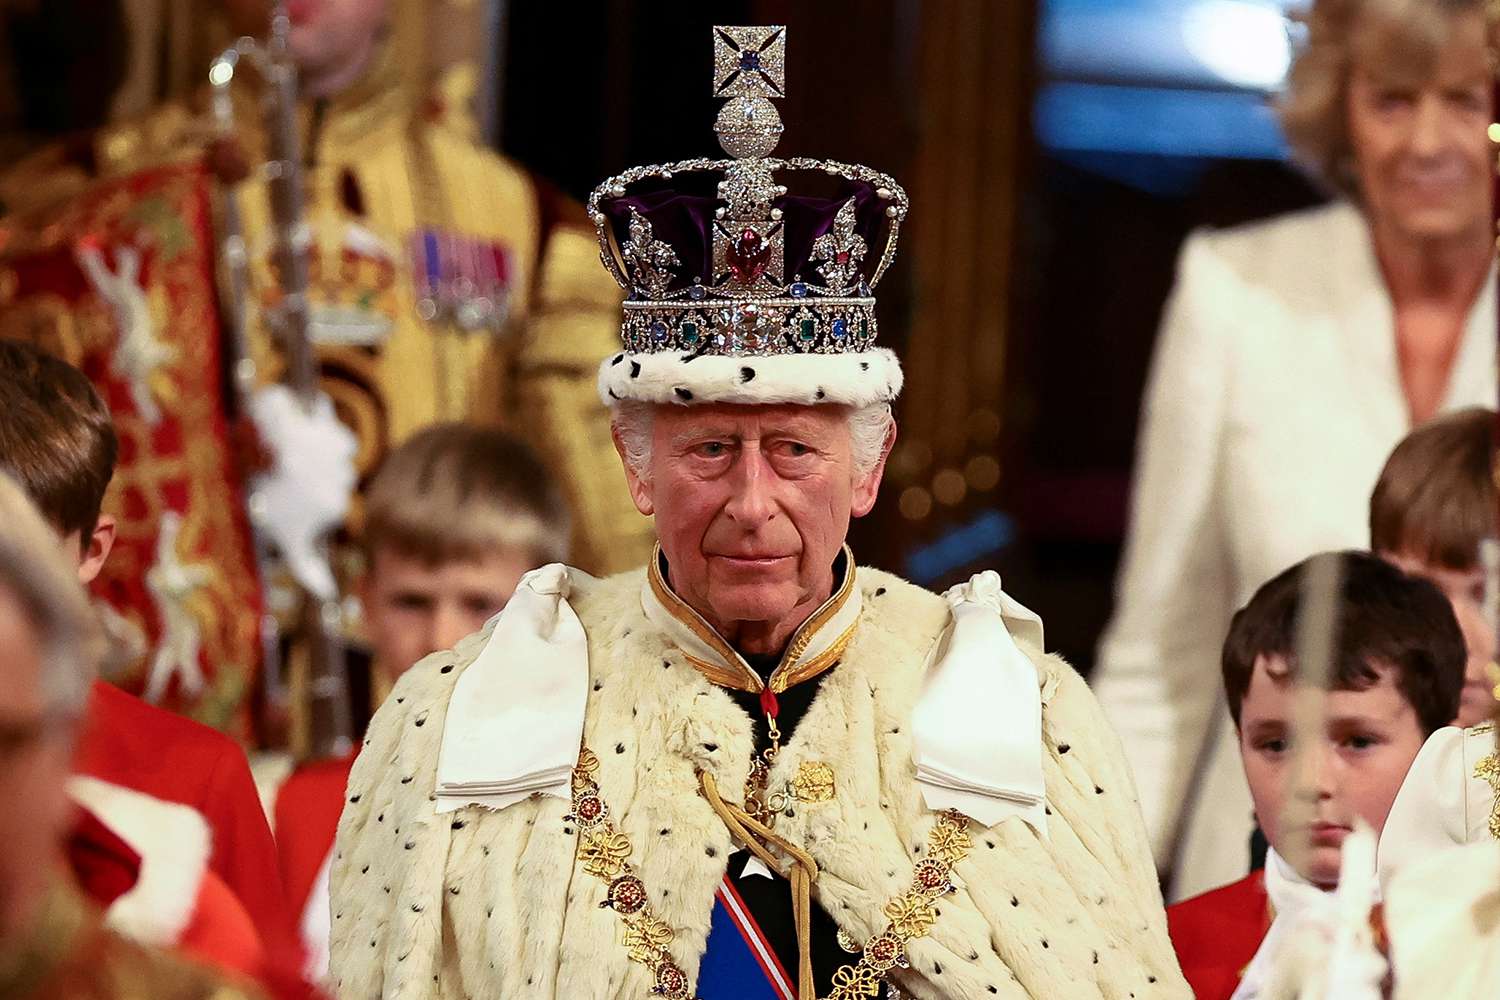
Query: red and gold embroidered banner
(120, 282)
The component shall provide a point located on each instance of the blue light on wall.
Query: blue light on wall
(1099, 118)
(1180, 78)
(982, 538)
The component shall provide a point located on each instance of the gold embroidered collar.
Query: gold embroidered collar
(815, 646)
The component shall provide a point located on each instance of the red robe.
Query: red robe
(307, 817)
(1216, 934)
(130, 743)
(219, 931)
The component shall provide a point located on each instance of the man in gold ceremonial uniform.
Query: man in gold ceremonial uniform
(447, 282)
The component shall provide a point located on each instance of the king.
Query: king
(751, 768)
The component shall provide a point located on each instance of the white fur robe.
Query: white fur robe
(479, 903)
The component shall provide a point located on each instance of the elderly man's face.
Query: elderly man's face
(752, 505)
(34, 765)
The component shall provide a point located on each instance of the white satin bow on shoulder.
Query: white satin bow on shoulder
(515, 719)
(977, 726)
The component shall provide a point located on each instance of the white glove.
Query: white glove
(305, 493)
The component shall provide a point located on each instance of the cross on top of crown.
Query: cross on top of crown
(750, 61)
(749, 70)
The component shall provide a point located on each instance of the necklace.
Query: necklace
(762, 806)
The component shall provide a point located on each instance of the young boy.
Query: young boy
(1432, 506)
(453, 519)
(58, 442)
(1397, 672)
(53, 944)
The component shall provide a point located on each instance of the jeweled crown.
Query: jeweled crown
(722, 258)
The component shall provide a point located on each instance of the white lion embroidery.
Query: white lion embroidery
(171, 583)
(139, 353)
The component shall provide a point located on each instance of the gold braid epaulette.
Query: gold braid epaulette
(911, 914)
(603, 852)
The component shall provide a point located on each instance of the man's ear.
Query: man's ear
(96, 549)
(364, 583)
(640, 489)
(867, 488)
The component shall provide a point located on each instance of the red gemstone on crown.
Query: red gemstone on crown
(748, 257)
(841, 258)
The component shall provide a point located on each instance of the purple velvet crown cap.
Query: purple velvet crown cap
(681, 213)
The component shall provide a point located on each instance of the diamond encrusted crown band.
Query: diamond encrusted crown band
(751, 328)
(721, 258)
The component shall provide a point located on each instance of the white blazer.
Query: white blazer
(1274, 400)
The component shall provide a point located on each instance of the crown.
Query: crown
(743, 257)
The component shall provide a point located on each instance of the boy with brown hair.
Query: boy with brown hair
(58, 442)
(1431, 508)
(53, 942)
(1396, 675)
(454, 518)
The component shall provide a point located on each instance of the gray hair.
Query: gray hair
(34, 571)
(868, 427)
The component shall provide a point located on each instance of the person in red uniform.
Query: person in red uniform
(128, 742)
(55, 863)
(145, 901)
(1216, 934)
(58, 442)
(1396, 678)
(453, 519)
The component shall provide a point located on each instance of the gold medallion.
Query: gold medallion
(814, 782)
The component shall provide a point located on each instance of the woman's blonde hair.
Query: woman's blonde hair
(1402, 37)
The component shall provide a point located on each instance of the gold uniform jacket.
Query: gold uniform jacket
(380, 180)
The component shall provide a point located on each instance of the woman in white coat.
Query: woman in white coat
(1294, 355)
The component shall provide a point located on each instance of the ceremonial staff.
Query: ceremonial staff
(300, 546)
(1490, 551)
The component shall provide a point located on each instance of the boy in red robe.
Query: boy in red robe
(58, 442)
(1397, 673)
(53, 943)
(453, 520)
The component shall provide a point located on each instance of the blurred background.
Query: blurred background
(1056, 153)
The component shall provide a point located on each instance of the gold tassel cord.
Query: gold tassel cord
(755, 835)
